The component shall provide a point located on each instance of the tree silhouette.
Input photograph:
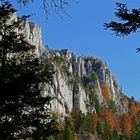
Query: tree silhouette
(130, 21)
(22, 108)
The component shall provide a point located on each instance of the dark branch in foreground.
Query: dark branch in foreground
(138, 50)
(130, 24)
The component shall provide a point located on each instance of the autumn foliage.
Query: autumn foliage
(110, 121)
(106, 116)
(95, 119)
(109, 124)
(133, 109)
(105, 92)
(127, 124)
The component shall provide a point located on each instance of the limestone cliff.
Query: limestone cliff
(87, 100)
(78, 81)
(78, 84)
(32, 33)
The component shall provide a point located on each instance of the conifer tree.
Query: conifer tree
(99, 128)
(130, 20)
(22, 75)
(69, 132)
(107, 132)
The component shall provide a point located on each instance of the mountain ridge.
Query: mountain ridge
(87, 101)
(84, 89)
(86, 95)
(82, 68)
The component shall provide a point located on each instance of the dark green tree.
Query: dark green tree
(123, 137)
(130, 21)
(136, 135)
(112, 106)
(115, 135)
(87, 124)
(80, 118)
(22, 75)
(134, 126)
(99, 128)
(69, 132)
(107, 133)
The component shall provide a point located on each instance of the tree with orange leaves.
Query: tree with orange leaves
(110, 121)
(105, 92)
(94, 119)
(106, 116)
(127, 124)
(133, 109)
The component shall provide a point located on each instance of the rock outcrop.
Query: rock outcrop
(77, 84)
(32, 33)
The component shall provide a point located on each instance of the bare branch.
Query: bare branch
(51, 6)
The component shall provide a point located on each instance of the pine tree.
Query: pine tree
(137, 133)
(99, 128)
(115, 135)
(22, 75)
(88, 125)
(130, 20)
(69, 132)
(107, 132)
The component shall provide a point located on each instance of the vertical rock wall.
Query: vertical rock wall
(70, 90)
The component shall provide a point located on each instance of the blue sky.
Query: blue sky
(84, 34)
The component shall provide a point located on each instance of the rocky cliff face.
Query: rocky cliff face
(78, 84)
(78, 81)
(32, 33)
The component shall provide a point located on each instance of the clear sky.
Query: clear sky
(84, 34)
